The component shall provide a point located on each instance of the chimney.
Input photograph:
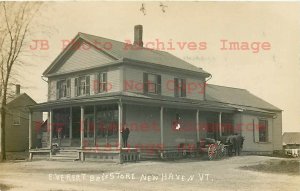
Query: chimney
(138, 35)
(18, 87)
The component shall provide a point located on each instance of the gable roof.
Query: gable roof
(291, 138)
(21, 96)
(237, 97)
(121, 51)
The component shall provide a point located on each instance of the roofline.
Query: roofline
(115, 63)
(248, 106)
(79, 36)
(67, 49)
(278, 109)
(17, 97)
(61, 54)
(193, 104)
(131, 61)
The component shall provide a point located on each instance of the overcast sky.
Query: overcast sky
(272, 74)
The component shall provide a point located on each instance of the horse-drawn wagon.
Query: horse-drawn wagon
(217, 149)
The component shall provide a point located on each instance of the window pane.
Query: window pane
(263, 130)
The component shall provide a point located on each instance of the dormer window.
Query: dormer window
(82, 86)
(179, 87)
(63, 88)
(152, 83)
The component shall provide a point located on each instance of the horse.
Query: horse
(234, 142)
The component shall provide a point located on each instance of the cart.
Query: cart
(214, 149)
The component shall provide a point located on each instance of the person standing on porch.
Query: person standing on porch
(125, 134)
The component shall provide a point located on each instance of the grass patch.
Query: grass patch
(4, 187)
(291, 167)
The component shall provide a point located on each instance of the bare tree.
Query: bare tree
(15, 19)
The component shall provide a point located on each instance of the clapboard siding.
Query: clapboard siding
(82, 59)
(52, 90)
(17, 135)
(167, 87)
(134, 83)
(195, 88)
(277, 131)
(251, 142)
(113, 80)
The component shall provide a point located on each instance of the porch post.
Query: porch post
(95, 125)
(50, 125)
(120, 108)
(70, 125)
(161, 126)
(197, 125)
(220, 124)
(81, 131)
(30, 133)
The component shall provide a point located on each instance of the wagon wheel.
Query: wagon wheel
(222, 151)
(212, 151)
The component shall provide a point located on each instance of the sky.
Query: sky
(271, 72)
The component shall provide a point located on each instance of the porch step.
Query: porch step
(64, 155)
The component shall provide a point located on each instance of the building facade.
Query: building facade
(17, 123)
(97, 87)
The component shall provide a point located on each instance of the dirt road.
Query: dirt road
(185, 174)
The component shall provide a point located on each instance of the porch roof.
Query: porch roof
(141, 99)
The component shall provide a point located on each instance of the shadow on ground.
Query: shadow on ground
(291, 167)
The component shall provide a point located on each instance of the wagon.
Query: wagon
(214, 149)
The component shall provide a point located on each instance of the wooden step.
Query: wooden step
(66, 155)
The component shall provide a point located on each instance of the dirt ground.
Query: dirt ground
(236, 173)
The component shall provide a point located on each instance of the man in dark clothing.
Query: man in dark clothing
(125, 135)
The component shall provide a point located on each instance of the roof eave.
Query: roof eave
(130, 61)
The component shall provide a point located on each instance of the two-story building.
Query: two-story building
(99, 86)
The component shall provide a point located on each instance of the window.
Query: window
(16, 119)
(82, 85)
(263, 130)
(179, 87)
(63, 88)
(152, 83)
(101, 82)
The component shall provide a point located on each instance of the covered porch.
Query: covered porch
(80, 130)
(91, 128)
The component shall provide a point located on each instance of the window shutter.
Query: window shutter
(145, 82)
(57, 90)
(68, 87)
(87, 85)
(96, 83)
(183, 88)
(158, 84)
(104, 82)
(270, 130)
(256, 130)
(76, 87)
(176, 87)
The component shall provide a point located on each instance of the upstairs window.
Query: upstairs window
(152, 83)
(63, 88)
(263, 130)
(179, 87)
(82, 86)
(101, 83)
(17, 118)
